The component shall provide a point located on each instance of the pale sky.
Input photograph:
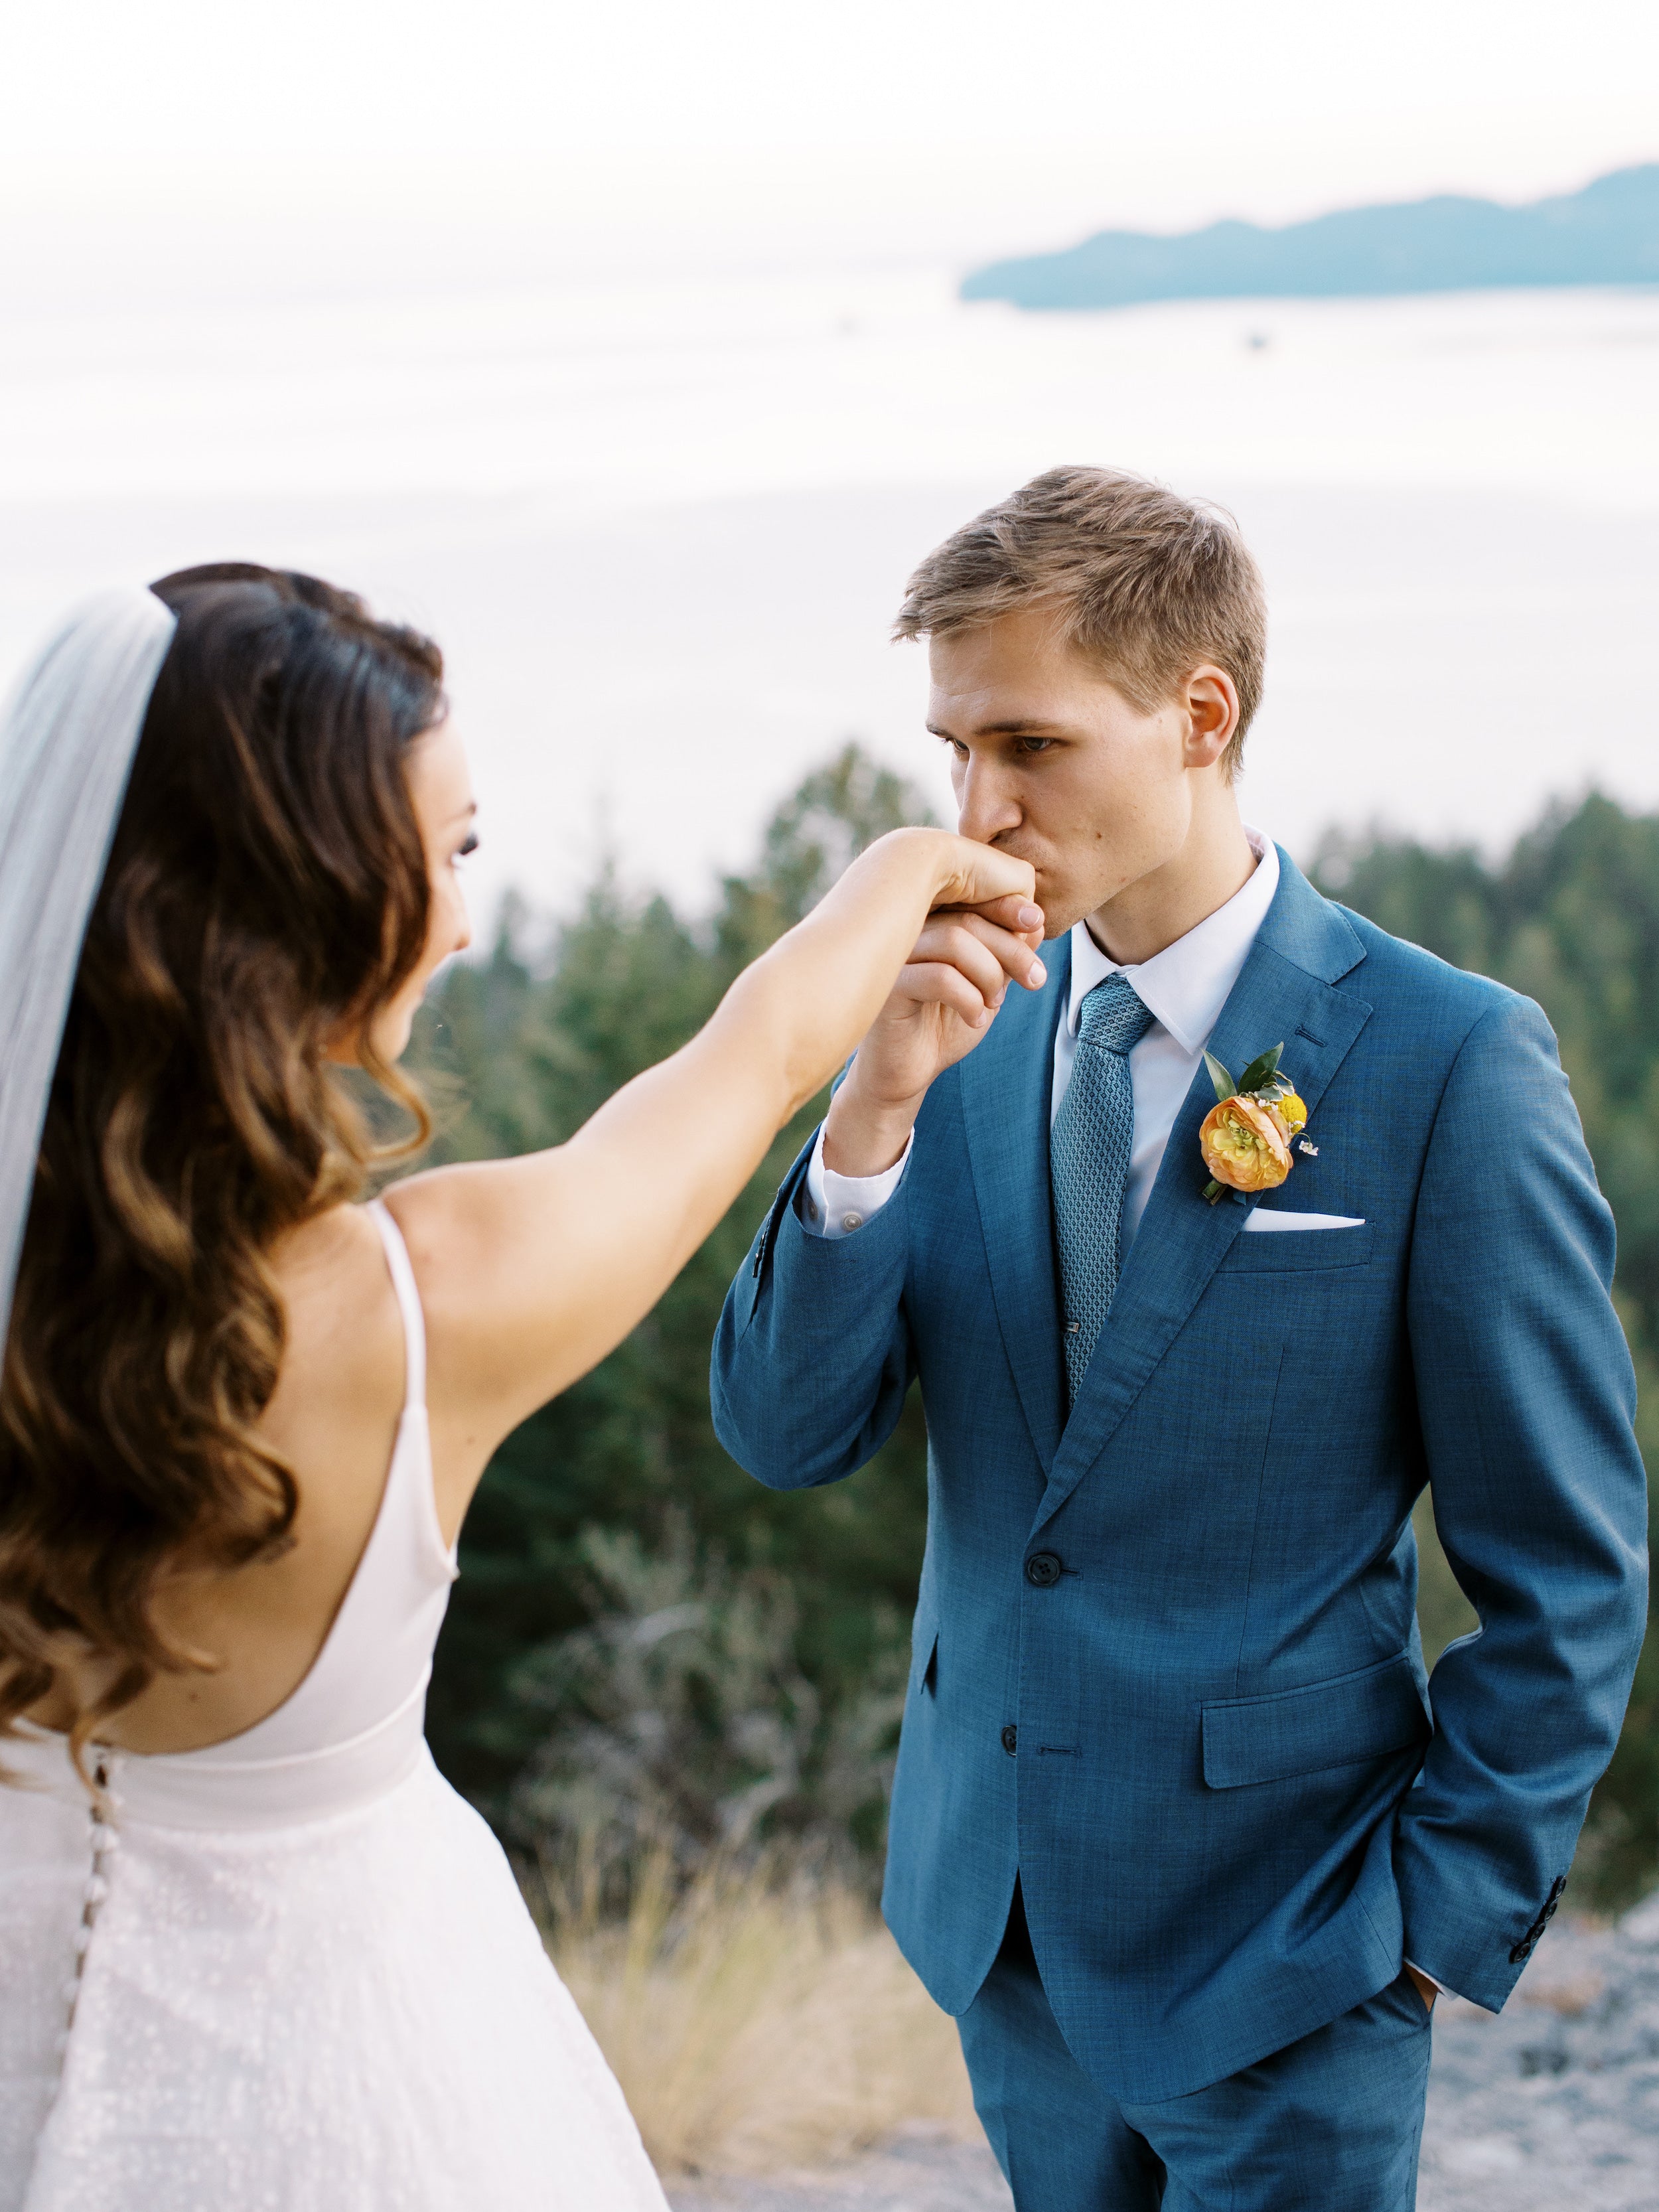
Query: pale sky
(743, 128)
(620, 348)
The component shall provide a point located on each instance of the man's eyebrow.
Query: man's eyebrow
(1019, 727)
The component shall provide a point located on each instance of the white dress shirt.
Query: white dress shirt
(1184, 988)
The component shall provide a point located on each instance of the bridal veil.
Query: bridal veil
(68, 735)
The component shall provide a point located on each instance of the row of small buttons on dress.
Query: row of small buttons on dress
(104, 1842)
(1042, 1570)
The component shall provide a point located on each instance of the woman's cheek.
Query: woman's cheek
(460, 923)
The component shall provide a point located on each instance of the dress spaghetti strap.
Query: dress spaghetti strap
(408, 1304)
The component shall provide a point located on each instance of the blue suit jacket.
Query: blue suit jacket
(1205, 1741)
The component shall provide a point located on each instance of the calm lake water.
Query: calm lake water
(660, 528)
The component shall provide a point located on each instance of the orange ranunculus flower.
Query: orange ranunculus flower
(1244, 1146)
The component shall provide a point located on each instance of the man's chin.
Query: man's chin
(1066, 904)
(1061, 909)
(1064, 900)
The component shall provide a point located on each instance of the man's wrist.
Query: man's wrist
(861, 1139)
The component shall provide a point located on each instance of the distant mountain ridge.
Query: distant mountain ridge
(1608, 234)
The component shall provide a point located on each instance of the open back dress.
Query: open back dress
(292, 1973)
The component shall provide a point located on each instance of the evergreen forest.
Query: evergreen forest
(648, 1656)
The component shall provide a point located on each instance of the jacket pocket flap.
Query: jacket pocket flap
(1337, 1723)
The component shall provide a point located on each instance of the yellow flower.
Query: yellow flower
(1244, 1145)
(1293, 1113)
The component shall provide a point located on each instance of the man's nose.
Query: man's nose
(987, 807)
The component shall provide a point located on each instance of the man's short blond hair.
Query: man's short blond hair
(1145, 583)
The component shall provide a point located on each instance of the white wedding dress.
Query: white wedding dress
(292, 1973)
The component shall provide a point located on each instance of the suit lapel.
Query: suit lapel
(1285, 990)
(1006, 1083)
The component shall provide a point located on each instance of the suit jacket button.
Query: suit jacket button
(1010, 1740)
(1043, 1569)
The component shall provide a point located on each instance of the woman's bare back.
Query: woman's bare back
(333, 1421)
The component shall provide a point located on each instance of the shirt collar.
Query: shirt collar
(1186, 986)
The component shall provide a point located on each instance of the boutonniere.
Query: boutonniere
(1247, 1134)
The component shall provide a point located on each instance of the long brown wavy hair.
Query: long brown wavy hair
(266, 894)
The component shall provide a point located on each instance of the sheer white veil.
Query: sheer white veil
(68, 734)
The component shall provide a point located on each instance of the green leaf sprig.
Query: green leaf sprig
(1260, 1079)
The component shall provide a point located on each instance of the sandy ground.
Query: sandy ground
(919, 2172)
(1554, 2107)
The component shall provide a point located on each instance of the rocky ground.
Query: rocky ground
(1554, 2107)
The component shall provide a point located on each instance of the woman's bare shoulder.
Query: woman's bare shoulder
(344, 1352)
(474, 1231)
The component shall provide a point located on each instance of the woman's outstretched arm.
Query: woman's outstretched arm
(532, 1269)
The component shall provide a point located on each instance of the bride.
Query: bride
(254, 1950)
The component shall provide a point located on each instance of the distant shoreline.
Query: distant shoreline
(1608, 234)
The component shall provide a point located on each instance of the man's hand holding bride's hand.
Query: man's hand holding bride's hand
(945, 1001)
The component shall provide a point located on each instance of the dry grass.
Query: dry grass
(757, 2025)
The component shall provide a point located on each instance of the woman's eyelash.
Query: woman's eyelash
(470, 846)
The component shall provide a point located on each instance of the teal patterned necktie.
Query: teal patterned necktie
(1089, 1162)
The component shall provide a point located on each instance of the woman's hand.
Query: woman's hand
(970, 874)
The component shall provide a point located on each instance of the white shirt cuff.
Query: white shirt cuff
(1428, 1977)
(834, 1206)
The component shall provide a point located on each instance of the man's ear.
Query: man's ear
(1210, 698)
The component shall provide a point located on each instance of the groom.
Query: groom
(1180, 1831)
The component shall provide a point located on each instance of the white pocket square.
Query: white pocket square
(1265, 1217)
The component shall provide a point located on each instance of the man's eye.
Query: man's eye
(1035, 745)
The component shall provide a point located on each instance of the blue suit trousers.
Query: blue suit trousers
(1331, 2124)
